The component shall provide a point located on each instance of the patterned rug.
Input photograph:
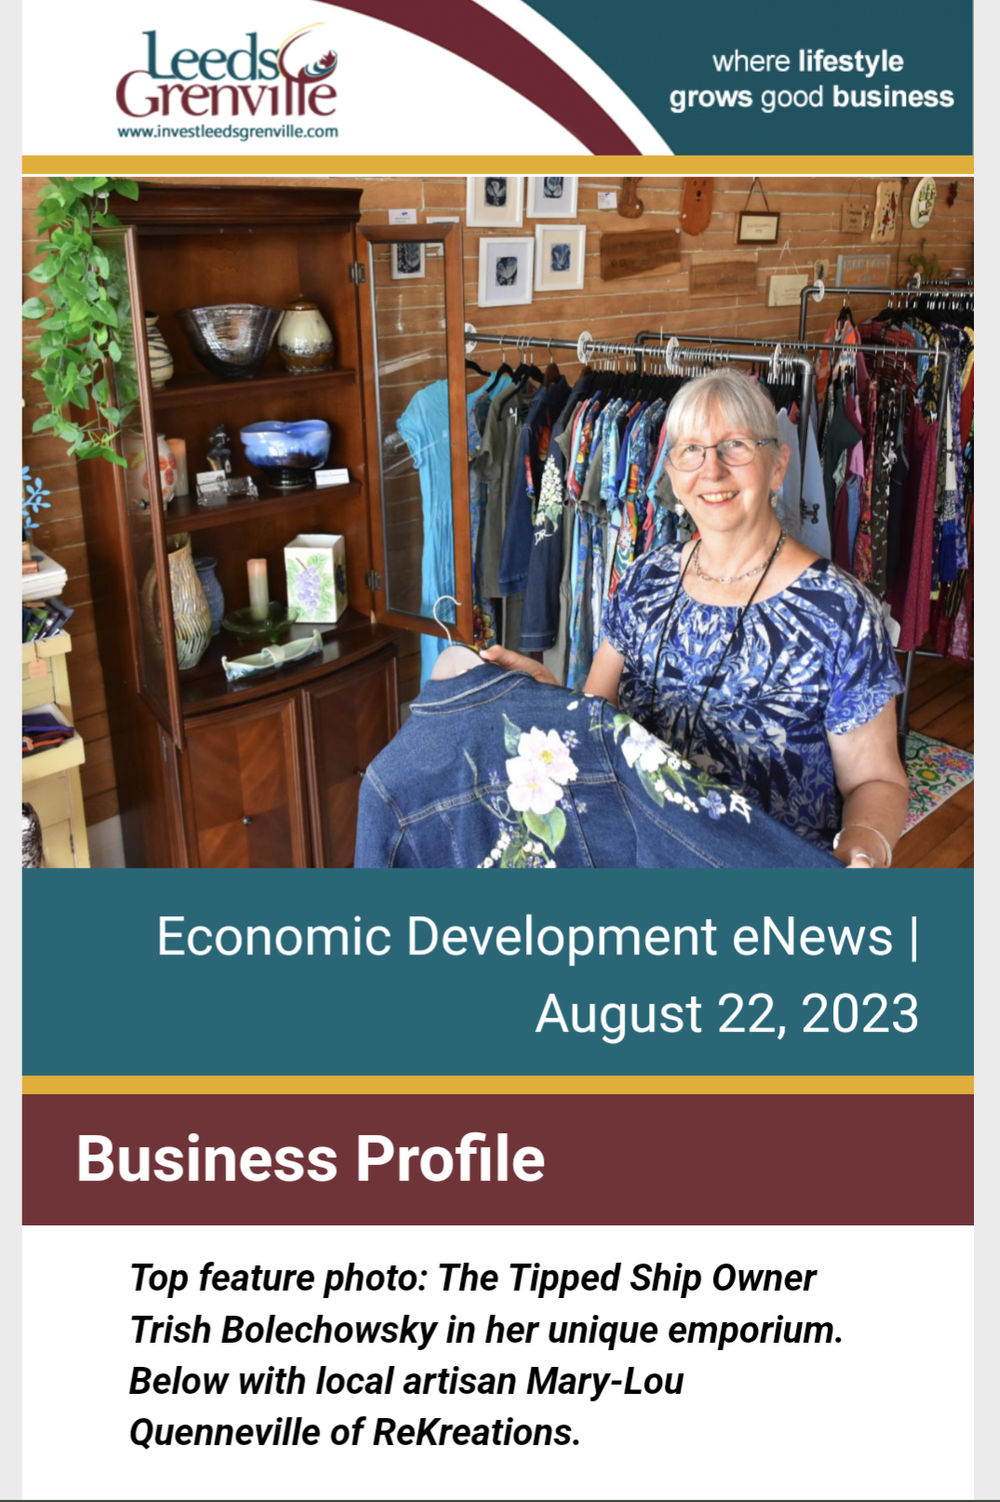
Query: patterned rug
(935, 771)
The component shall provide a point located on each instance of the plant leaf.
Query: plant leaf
(511, 736)
(548, 827)
(33, 308)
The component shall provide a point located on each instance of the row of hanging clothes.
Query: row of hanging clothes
(896, 443)
(569, 485)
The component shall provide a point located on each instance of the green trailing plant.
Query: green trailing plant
(85, 351)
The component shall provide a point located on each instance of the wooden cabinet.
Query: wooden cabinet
(347, 720)
(264, 771)
(245, 787)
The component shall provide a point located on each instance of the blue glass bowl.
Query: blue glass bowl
(287, 452)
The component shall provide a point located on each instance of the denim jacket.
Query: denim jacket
(495, 769)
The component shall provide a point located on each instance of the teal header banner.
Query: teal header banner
(732, 77)
(627, 972)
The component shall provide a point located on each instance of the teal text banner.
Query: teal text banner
(891, 80)
(878, 980)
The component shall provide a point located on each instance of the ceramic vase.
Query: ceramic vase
(192, 617)
(305, 339)
(213, 591)
(161, 361)
(31, 838)
(168, 469)
(136, 452)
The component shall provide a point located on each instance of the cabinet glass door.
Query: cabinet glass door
(139, 491)
(413, 319)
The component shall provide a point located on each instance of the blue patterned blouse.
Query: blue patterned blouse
(811, 661)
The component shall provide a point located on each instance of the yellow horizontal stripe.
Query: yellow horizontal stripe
(496, 1084)
(446, 166)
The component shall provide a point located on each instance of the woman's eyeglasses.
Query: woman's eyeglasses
(733, 452)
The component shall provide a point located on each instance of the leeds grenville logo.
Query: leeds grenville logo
(249, 80)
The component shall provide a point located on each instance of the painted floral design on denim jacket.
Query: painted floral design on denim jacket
(540, 770)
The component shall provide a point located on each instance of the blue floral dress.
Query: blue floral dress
(811, 661)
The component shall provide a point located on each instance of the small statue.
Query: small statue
(220, 454)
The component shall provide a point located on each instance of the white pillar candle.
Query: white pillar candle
(179, 450)
(259, 598)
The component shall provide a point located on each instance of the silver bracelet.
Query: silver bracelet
(871, 828)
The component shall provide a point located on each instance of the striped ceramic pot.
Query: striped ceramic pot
(161, 361)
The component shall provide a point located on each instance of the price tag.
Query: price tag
(332, 477)
(402, 216)
(607, 200)
(211, 477)
(37, 668)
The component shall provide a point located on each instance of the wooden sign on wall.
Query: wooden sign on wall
(636, 252)
(853, 217)
(708, 277)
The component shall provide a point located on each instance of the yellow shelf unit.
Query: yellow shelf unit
(50, 780)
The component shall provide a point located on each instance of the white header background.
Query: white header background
(885, 1414)
(397, 93)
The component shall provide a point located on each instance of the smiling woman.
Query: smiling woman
(753, 657)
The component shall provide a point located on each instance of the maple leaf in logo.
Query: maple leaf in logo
(329, 61)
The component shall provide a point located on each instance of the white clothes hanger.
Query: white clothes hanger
(457, 657)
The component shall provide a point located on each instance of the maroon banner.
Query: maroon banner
(608, 1160)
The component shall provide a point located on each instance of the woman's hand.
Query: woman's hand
(513, 662)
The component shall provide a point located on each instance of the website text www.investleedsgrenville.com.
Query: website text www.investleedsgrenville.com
(229, 132)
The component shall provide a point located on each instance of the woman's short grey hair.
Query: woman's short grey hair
(728, 394)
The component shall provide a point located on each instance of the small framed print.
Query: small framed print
(494, 202)
(552, 197)
(560, 251)
(505, 272)
(757, 229)
(408, 260)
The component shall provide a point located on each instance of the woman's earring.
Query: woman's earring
(774, 500)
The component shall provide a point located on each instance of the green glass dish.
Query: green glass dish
(248, 627)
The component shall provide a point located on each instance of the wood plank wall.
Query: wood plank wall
(809, 233)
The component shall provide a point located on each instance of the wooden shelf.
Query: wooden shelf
(183, 514)
(55, 759)
(206, 686)
(183, 389)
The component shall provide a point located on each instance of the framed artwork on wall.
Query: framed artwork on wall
(560, 255)
(505, 272)
(757, 229)
(408, 263)
(494, 202)
(552, 197)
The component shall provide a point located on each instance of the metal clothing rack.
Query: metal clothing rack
(915, 288)
(706, 347)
